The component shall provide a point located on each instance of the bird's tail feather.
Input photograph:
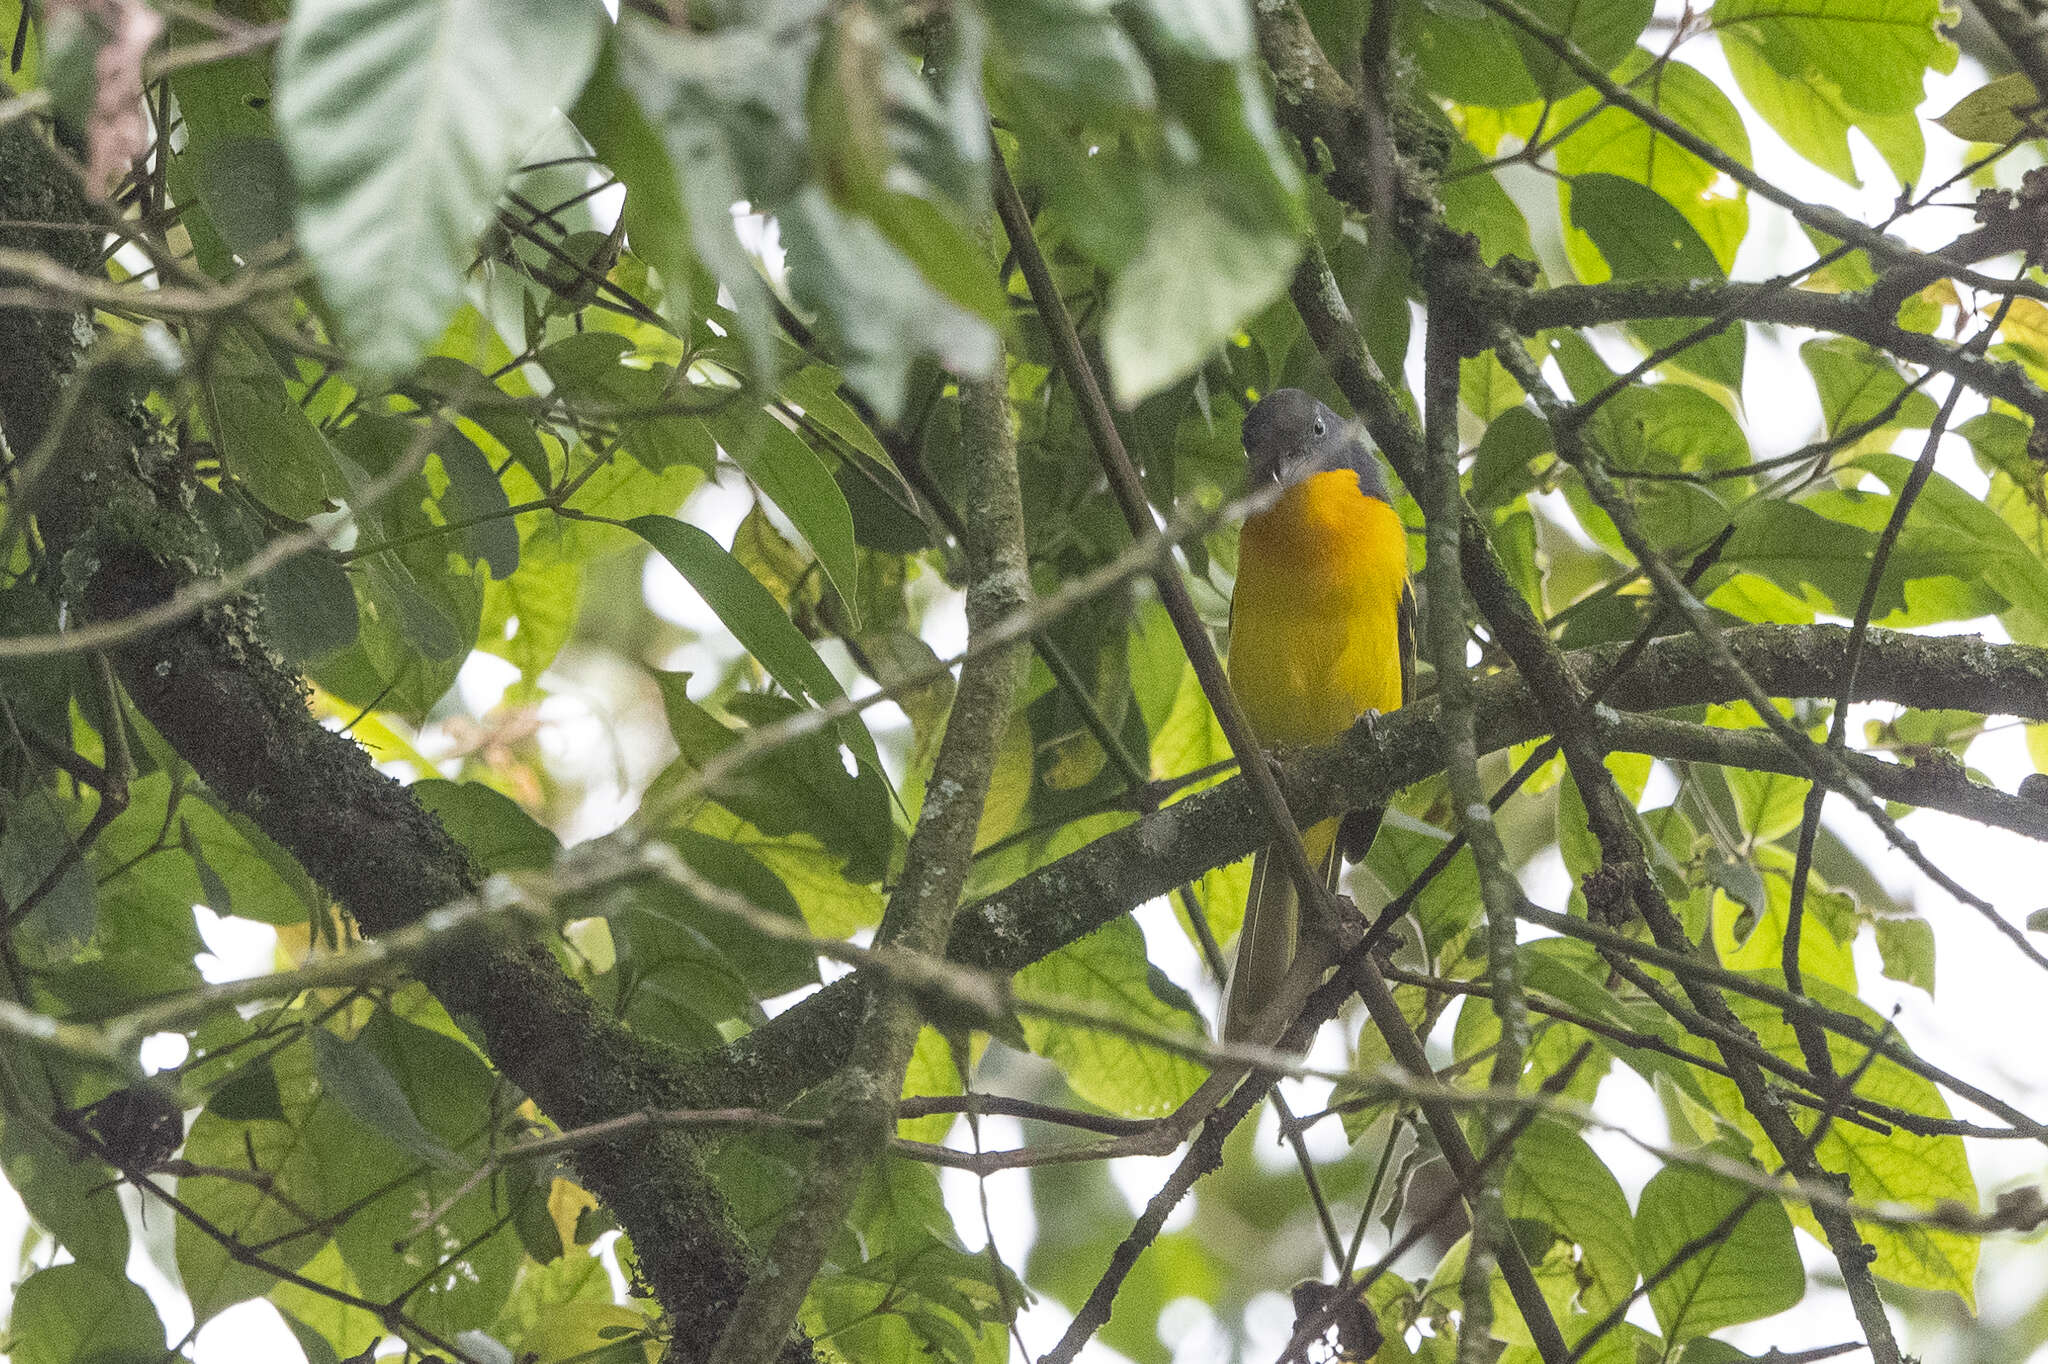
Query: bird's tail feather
(1272, 930)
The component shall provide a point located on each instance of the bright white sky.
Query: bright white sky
(1985, 991)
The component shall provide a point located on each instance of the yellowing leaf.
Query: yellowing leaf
(566, 1203)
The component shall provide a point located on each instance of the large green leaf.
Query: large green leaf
(1615, 142)
(356, 1078)
(874, 306)
(1555, 1178)
(271, 1215)
(1204, 268)
(497, 834)
(695, 123)
(783, 465)
(76, 1200)
(1892, 1165)
(1108, 968)
(654, 404)
(403, 119)
(454, 1271)
(1802, 70)
(83, 1314)
(754, 618)
(1077, 53)
(1858, 384)
(1667, 428)
(799, 787)
(266, 439)
(1947, 513)
(35, 855)
(1751, 1271)
(1877, 53)
(1641, 235)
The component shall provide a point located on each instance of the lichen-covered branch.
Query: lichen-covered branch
(921, 912)
(1074, 896)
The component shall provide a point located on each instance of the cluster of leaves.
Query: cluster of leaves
(441, 327)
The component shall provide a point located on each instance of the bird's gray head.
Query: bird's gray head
(1289, 435)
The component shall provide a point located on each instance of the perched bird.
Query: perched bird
(1322, 632)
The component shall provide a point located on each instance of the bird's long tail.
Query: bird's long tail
(1272, 925)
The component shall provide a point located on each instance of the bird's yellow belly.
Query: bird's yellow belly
(1315, 628)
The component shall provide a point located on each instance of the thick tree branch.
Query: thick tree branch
(1074, 896)
(1854, 315)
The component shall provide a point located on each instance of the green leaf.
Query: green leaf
(35, 848)
(496, 833)
(1876, 53)
(771, 966)
(458, 383)
(592, 368)
(1813, 110)
(1637, 230)
(1829, 924)
(1997, 112)
(1752, 1272)
(1881, 1166)
(1906, 946)
(1616, 142)
(1641, 236)
(476, 496)
(1604, 30)
(783, 465)
(253, 877)
(797, 787)
(1206, 266)
(752, 615)
(458, 1268)
(834, 905)
(353, 1075)
(83, 1314)
(1857, 383)
(1555, 1178)
(1769, 803)
(875, 309)
(403, 122)
(527, 618)
(1077, 53)
(251, 1094)
(695, 123)
(904, 1287)
(1665, 428)
(1948, 515)
(1801, 549)
(76, 1200)
(266, 439)
(1108, 968)
(271, 1216)
(672, 981)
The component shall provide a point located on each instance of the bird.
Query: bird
(1322, 634)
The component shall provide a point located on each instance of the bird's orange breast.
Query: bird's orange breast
(1315, 619)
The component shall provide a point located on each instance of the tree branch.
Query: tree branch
(920, 914)
(1068, 899)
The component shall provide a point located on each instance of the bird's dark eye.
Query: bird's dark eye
(1319, 426)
